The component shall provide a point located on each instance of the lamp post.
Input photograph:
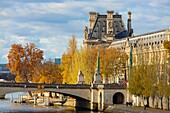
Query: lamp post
(115, 74)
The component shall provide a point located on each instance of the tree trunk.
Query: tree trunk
(50, 94)
(168, 102)
(153, 99)
(27, 81)
(161, 102)
(147, 99)
(29, 93)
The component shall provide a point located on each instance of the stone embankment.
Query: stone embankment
(129, 109)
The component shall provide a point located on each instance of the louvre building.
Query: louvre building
(109, 31)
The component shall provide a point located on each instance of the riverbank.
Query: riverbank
(129, 109)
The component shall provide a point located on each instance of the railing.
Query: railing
(41, 85)
(60, 86)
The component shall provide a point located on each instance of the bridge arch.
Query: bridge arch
(118, 98)
(77, 94)
(65, 94)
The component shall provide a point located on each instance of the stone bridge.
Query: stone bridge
(89, 96)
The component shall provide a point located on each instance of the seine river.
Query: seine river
(7, 107)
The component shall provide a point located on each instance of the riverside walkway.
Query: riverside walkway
(133, 109)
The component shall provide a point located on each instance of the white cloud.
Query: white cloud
(5, 56)
(2, 43)
(51, 24)
(44, 41)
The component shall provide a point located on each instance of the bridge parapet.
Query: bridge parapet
(108, 86)
(35, 85)
(115, 86)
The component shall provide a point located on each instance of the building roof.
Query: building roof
(100, 27)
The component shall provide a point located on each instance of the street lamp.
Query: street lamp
(115, 74)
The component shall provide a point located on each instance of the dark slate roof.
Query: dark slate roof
(122, 35)
(118, 25)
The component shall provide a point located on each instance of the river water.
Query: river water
(8, 107)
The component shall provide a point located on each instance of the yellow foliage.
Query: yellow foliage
(86, 60)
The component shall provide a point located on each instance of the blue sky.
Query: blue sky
(51, 23)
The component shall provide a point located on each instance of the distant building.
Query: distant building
(58, 61)
(5, 73)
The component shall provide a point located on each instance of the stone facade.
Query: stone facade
(150, 42)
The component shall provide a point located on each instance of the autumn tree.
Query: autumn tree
(48, 72)
(108, 58)
(69, 61)
(143, 79)
(167, 46)
(163, 86)
(135, 85)
(88, 62)
(85, 59)
(23, 60)
(113, 62)
(167, 71)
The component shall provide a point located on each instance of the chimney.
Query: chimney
(129, 26)
(93, 17)
(109, 22)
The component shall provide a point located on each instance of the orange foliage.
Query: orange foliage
(48, 72)
(23, 60)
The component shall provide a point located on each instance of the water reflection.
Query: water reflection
(7, 107)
